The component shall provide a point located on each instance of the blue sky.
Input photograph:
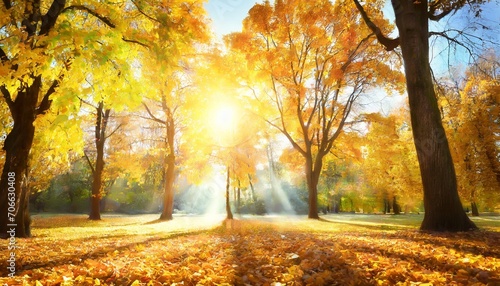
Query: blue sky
(227, 15)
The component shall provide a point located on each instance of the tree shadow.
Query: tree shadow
(371, 226)
(100, 252)
(483, 242)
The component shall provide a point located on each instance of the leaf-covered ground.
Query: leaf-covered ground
(338, 250)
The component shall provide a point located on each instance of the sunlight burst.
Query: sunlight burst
(224, 117)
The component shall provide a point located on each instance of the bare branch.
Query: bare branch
(388, 43)
(288, 136)
(152, 117)
(439, 16)
(114, 131)
(88, 161)
(453, 40)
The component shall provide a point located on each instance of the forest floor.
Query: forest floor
(252, 250)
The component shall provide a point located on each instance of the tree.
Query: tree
(36, 51)
(101, 134)
(171, 32)
(443, 208)
(470, 109)
(315, 61)
(390, 163)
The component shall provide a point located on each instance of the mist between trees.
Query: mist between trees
(134, 107)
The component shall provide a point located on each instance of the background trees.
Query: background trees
(38, 47)
(470, 108)
(315, 64)
(300, 67)
(169, 32)
(389, 162)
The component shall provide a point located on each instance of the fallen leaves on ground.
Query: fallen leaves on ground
(254, 252)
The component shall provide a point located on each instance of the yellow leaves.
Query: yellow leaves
(288, 251)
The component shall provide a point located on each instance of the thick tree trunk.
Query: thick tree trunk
(312, 175)
(17, 147)
(395, 206)
(229, 214)
(443, 209)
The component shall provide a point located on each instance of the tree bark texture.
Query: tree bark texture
(312, 175)
(443, 209)
(24, 107)
(17, 147)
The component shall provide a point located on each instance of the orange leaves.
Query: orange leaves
(288, 251)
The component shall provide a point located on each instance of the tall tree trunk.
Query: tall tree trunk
(312, 175)
(443, 209)
(387, 205)
(169, 122)
(238, 198)
(337, 202)
(17, 147)
(100, 140)
(474, 210)
(395, 206)
(229, 214)
(254, 199)
(168, 196)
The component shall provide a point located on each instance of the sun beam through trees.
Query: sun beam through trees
(320, 143)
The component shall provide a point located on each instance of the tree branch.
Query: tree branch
(114, 131)
(88, 161)
(439, 16)
(135, 42)
(6, 95)
(104, 19)
(450, 39)
(46, 101)
(7, 4)
(152, 117)
(388, 43)
(3, 56)
(49, 19)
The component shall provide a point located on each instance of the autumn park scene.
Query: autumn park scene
(235, 142)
